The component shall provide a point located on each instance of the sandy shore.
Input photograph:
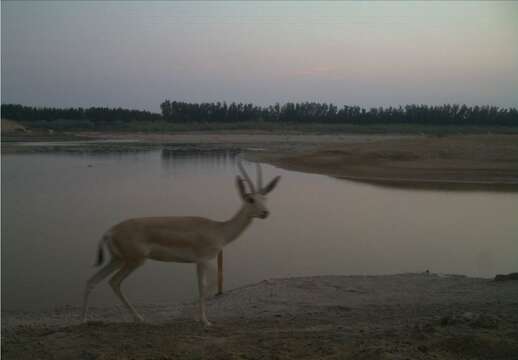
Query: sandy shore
(415, 316)
(489, 161)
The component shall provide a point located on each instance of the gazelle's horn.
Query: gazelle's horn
(259, 176)
(245, 175)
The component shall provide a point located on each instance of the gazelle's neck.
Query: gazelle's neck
(237, 224)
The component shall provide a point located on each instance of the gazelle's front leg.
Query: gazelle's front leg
(201, 270)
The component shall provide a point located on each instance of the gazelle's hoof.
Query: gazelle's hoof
(201, 319)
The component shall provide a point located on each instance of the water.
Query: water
(56, 206)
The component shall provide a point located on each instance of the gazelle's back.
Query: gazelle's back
(181, 239)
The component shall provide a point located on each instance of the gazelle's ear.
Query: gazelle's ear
(271, 185)
(240, 183)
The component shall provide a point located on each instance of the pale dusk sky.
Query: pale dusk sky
(137, 54)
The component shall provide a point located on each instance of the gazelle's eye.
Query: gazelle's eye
(250, 200)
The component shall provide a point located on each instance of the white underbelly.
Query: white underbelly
(184, 254)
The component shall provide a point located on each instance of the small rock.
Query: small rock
(485, 322)
(87, 355)
(422, 348)
(447, 320)
(425, 328)
(504, 277)
(428, 328)
(469, 316)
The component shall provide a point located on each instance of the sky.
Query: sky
(137, 54)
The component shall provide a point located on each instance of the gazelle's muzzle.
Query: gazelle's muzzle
(264, 214)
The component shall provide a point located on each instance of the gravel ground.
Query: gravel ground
(407, 316)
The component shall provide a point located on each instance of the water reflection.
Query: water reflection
(430, 185)
(178, 157)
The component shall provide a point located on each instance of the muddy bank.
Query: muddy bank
(417, 316)
(465, 161)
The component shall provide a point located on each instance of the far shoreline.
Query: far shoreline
(455, 162)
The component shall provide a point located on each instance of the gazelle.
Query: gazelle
(177, 239)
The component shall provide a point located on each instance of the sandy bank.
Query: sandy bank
(417, 316)
(476, 160)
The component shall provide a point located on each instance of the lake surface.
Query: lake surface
(55, 207)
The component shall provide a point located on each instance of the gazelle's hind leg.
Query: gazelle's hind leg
(201, 270)
(105, 271)
(210, 280)
(116, 281)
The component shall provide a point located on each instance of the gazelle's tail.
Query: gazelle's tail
(100, 252)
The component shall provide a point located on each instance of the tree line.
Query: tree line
(305, 112)
(94, 114)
